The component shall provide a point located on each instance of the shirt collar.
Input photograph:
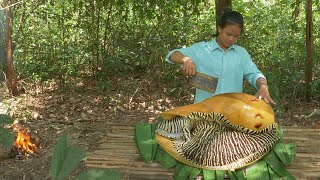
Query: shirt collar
(215, 45)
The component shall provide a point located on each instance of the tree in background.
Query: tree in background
(2, 40)
(309, 49)
(222, 5)
(69, 41)
(10, 70)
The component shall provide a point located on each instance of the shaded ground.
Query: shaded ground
(87, 113)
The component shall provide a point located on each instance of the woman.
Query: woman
(222, 59)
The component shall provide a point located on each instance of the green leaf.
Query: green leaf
(272, 174)
(59, 154)
(194, 173)
(209, 174)
(286, 152)
(239, 174)
(291, 150)
(65, 159)
(182, 171)
(280, 132)
(220, 175)
(165, 159)
(276, 165)
(6, 138)
(5, 119)
(236, 175)
(259, 170)
(232, 175)
(144, 140)
(154, 145)
(98, 174)
(74, 157)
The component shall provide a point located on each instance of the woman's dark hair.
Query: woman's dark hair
(230, 17)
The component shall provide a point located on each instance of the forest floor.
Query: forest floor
(86, 113)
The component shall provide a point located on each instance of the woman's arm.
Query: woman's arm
(188, 67)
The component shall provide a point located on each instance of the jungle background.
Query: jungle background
(82, 65)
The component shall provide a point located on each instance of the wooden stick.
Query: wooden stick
(135, 169)
(101, 158)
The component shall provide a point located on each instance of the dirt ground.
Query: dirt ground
(87, 113)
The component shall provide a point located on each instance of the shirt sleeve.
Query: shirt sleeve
(251, 73)
(187, 51)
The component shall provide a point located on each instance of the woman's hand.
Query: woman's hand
(263, 93)
(188, 67)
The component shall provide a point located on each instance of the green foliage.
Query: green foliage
(182, 171)
(209, 174)
(5, 119)
(315, 88)
(144, 134)
(286, 152)
(98, 174)
(220, 174)
(276, 165)
(64, 41)
(6, 138)
(104, 86)
(276, 41)
(65, 159)
(258, 171)
(165, 159)
(236, 175)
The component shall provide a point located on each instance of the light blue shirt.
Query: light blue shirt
(231, 67)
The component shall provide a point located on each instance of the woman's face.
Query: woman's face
(228, 36)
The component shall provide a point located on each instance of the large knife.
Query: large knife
(204, 82)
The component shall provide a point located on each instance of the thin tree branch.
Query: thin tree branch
(11, 5)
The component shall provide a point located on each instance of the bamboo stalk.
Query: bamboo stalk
(300, 129)
(299, 165)
(125, 163)
(152, 173)
(128, 133)
(96, 154)
(304, 144)
(126, 143)
(303, 149)
(297, 161)
(136, 169)
(120, 136)
(116, 147)
(117, 140)
(105, 158)
(113, 154)
(298, 155)
(301, 175)
(303, 169)
(118, 151)
(123, 126)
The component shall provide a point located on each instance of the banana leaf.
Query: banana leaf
(144, 140)
(275, 164)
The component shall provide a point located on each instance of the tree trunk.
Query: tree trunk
(221, 5)
(97, 44)
(11, 78)
(309, 48)
(62, 76)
